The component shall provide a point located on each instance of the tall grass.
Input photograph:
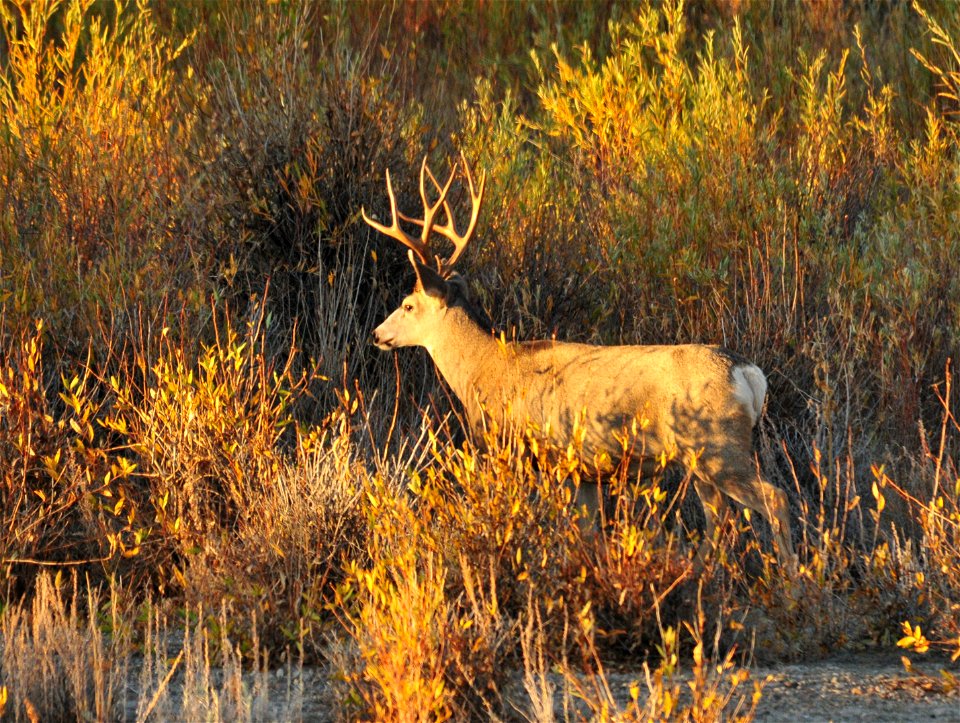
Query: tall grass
(192, 422)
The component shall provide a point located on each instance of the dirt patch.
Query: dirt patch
(851, 687)
(858, 688)
(861, 687)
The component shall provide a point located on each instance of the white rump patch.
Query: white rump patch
(750, 389)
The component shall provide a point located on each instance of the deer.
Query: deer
(698, 403)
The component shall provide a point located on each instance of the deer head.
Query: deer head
(413, 322)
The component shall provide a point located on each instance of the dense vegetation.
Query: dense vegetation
(195, 435)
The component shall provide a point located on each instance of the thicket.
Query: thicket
(194, 427)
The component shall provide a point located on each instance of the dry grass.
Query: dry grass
(196, 435)
(72, 655)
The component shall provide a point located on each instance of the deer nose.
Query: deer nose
(381, 339)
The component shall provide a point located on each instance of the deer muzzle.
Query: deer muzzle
(380, 340)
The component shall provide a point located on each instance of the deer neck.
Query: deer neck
(469, 359)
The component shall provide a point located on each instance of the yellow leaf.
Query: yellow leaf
(914, 639)
(667, 704)
(878, 496)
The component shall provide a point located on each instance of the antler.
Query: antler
(448, 230)
(421, 246)
(418, 246)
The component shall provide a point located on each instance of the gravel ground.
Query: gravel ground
(858, 688)
(853, 687)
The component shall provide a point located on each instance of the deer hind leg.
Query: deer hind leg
(714, 510)
(738, 478)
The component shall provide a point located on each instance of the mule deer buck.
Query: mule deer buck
(699, 403)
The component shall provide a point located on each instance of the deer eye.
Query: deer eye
(408, 307)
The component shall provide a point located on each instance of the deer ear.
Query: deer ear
(457, 288)
(428, 280)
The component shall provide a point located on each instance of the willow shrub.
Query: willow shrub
(92, 172)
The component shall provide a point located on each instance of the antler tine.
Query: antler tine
(436, 184)
(430, 210)
(476, 200)
(418, 246)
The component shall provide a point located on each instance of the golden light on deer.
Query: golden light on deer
(699, 403)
